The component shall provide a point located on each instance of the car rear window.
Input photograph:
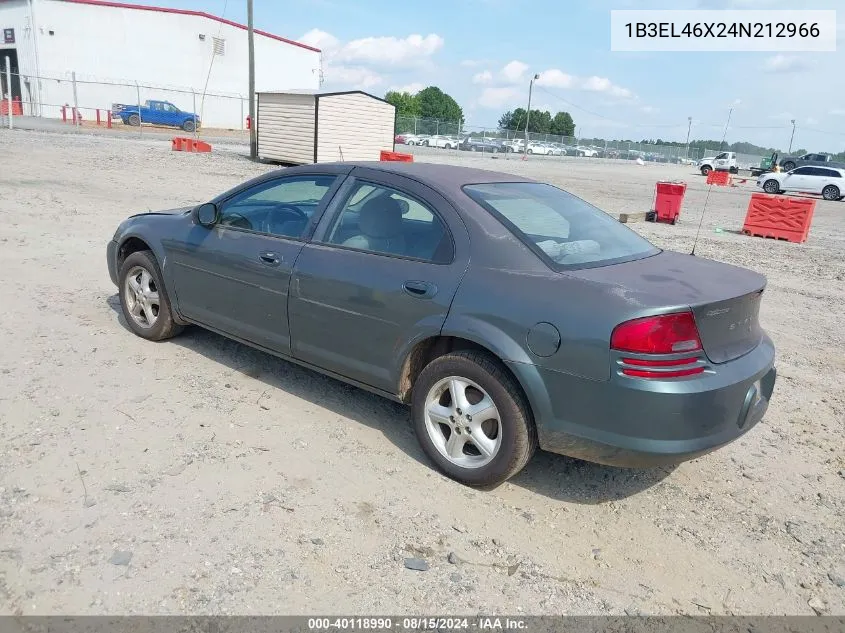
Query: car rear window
(562, 229)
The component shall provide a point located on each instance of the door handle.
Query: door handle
(419, 289)
(269, 258)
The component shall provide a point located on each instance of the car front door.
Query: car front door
(798, 179)
(234, 277)
(379, 276)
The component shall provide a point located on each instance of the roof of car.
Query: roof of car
(441, 176)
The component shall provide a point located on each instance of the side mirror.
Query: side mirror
(206, 214)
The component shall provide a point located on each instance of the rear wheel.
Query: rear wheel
(788, 166)
(530, 151)
(831, 192)
(771, 186)
(145, 304)
(471, 419)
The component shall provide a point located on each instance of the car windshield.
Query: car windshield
(561, 228)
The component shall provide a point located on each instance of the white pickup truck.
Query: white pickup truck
(726, 161)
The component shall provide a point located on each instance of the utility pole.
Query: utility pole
(253, 137)
(528, 114)
(689, 127)
(789, 151)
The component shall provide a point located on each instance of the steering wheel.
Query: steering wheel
(237, 220)
(289, 213)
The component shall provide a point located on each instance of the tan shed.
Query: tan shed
(302, 127)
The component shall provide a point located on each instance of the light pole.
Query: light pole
(689, 127)
(528, 113)
(789, 151)
(253, 137)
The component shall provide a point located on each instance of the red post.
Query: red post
(64, 114)
(98, 116)
(108, 120)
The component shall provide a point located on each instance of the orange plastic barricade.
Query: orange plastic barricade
(722, 178)
(779, 217)
(17, 108)
(185, 144)
(396, 156)
(668, 198)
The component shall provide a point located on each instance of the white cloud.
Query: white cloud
(514, 71)
(647, 109)
(320, 39)
(837, 112)
(352, 76)
(411, 88)
(555, 78)
(811, 121)
(603, 84)
(357, 63)
(484, 77)
(390, 51)
(471, 63)
(497, 97)
(784, 64)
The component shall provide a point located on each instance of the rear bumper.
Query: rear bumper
(639, 423)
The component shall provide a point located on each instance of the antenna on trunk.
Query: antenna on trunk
(707, 199)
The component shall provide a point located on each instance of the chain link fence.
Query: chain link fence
(79, 100)
(420, 131)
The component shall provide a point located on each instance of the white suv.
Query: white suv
(824, 181)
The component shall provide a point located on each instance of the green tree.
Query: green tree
(436, 104)
(563, 125)
(407, 105)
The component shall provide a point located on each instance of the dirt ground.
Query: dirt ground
(201, 476)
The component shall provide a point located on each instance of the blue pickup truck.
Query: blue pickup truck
(155, 113)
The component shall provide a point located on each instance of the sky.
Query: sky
(484, 52)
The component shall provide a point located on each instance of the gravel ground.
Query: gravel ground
(201, 476)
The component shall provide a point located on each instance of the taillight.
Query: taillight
(663, 334)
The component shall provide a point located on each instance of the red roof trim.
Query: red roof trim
(201, 14)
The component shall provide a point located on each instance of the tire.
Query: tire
(134, 120)
(771, 186)
(494, 150)
(163, 326)
(734, 170)
(188, 125)
(788, 165)
(706, 169)
(516, 434)
(530, 151)
(831, 192)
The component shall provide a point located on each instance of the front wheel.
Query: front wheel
(189, 126)
(771, 186)
(471, 419)
(831, 192)
(706, 169)
(134, 120)
(143, 299)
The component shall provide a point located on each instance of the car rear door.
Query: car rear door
(378, 276)
(234, 277)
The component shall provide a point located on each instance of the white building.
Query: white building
(123, 53)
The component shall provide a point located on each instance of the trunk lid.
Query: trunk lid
(724, 299)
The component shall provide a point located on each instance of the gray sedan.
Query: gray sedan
(509, 314)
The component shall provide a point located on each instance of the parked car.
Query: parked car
(473, 144)
(788, 163)
(514, 145)
(413, 139)
(430, 285)
(588, 152)
(825, 181)
(537, 147)
(155, 113)
(443, 142)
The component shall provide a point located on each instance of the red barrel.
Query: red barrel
(668, 198)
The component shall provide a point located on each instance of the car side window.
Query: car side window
(383, 220)
(282, 207)
(829, 173)
(802, 171)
